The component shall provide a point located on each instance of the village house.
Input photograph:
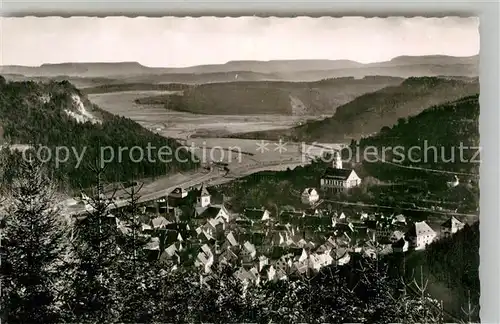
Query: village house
(215, 212)
(420, 235)
(309, 196)
(257, 214)
(153, 248)
(205, 258)
(336, 179)
(451, 226)
(319, 260)
(396, 236)
(269, 273)
(203, 235)
(326, 247)
(283, 264)
(400, 246)
(301, 265)
(248, 253)
(247, 277)
(398, 220)
(146, 229)
(204, 199)
(172, 253)
(262, 262)
(363, 216)
(230, 242)
(159, 222)
(340, 255)
(178, 193)
(227, 256)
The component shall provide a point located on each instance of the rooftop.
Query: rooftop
(452, 222)
(337, 174)
(420, 229)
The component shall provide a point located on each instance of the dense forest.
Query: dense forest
(271, 97)
(117, 87)
(436, 136)
(452, 266)
(368, 113)
(87, 271)
(34, 114)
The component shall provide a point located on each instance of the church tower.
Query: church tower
(337, 161)
(204, 198)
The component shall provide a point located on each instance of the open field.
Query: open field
(182, 124)
(242, 152)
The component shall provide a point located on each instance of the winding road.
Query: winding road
(163, 186)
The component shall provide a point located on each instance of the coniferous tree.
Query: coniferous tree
(92, 297)
(137, 278)
(33, 249)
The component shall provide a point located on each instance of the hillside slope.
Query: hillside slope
(444, 127)
(368, 113)
(57, 114)
(265, 97)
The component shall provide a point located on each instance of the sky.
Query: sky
(187, 41)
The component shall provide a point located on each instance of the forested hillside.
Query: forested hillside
(57, 114)
(267, 97)
(437, 135)
(368, 113)
(452, 267)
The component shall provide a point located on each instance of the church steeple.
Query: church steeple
(204, 198)
(337, 161)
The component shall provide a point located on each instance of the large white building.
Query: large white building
(420, 235)
(338, 179)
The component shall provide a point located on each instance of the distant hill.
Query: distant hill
(153, 79)
(90, 69)
(266, 97)
(57, 114)
(273, 66)
(445, 126)
(368, 113)
(429, 59)
(277, 70)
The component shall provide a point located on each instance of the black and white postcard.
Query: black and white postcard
(239, 170)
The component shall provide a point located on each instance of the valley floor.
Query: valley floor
(184, 125)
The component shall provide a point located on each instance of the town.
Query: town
(195, 228)
(202, 170)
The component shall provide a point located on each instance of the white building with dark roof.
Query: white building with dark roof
(338, 179)
(451, 226)
(178, 193)
(309, 196)
(420, 235)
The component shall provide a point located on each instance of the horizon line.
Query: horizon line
(236, 60)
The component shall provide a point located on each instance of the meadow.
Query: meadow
(184, 124)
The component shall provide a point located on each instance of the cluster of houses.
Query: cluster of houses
(192, 229)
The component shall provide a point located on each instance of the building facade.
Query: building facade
(420, 235)
(337, 179)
